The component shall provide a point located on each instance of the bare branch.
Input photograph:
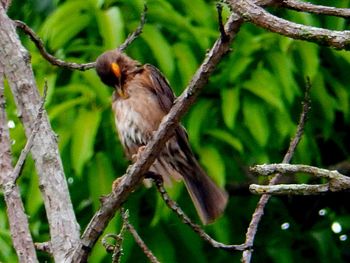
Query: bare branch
(15, 60)
(72, 65)
(17, 170)
(136, 33)
(5, 3)
(315, 9)
(50, 58)
(261, 18)
(290, 189)
(117, 248)
(137, 238)
(259, 210)
(306, 107)
(19, 227)
(44, 247)
(186, 220)
(337, 181)
(135, 172)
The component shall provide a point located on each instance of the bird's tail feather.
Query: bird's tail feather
(209, 200)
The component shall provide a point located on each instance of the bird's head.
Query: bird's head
(113, 68)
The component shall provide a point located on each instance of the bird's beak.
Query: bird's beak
(117, 72)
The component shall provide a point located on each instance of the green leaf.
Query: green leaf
(230, 105)
(111, 25)
(328, 251)
(327, 103)
(197, 117)
(263, 84)
(227, 138)
(186, 61)
(307, 58)
(255, 119)
(214, 164)
(60, 27)
(83, 139)
(101, 177)
(283, 68)
(160, 48)
(33, 192)
(59, 109)
(239, 65)
(201, 14)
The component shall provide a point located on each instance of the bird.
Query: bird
(142, 97)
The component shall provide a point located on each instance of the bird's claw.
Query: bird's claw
(137, 155)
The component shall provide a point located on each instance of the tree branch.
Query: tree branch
(337, 181)
(137, 238)
(259, 210)
(18, 167)
(137, 32)
(261, 18)
(15, 60)
(19, 227)
(135, 172)
(72, 65)
(196, 228)
(315, 9)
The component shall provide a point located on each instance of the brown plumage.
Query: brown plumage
(141, 99)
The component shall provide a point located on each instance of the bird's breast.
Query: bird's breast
(136, 117)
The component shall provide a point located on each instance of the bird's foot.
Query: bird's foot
(116, 183)
(137, 155)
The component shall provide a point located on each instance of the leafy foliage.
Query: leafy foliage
(247, 114)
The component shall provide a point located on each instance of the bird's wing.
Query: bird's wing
(166, 99)
(161, 88)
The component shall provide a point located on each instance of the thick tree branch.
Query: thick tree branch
(259, 210)
(15, 60)
(135, 172)
(19, 227)
(261, 18)
(315, 9)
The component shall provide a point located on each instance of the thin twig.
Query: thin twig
(72, 65)
(186, 220)
(259, 210)
(290, 189)
(137, 238)
(136, 33)
(221, 24)
(116, 249)
(18, 168)
(50, 58)
(44, 247)
(315, 9)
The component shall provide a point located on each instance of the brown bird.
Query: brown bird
(142, 97)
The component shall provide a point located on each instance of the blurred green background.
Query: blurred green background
(246, 115)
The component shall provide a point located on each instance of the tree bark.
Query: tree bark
(15, 60)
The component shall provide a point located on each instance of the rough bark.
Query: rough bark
(64, 229)
(19, 227)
